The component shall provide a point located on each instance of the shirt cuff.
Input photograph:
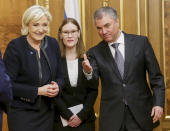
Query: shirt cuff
(88, 75)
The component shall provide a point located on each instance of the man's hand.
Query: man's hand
(157, 112)
(86, 65)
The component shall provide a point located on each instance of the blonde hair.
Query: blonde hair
(33, 13)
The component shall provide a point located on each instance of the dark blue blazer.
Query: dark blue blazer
(5, 90)
(23, 67)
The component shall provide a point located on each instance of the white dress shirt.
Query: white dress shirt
(72, 66)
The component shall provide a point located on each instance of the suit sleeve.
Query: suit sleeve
(5, 87)
(155, 77)
(92, 92)
(23, 91)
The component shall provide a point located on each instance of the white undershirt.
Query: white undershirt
(72, 66)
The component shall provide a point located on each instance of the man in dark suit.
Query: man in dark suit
(127, 102)
(5, 90)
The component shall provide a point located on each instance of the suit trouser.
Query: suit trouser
(129, 122)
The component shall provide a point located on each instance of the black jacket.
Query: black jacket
(85, 93)
(134, 88)
(24, 69)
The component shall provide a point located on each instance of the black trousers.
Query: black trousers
(129, 122)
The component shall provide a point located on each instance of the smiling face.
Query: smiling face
(70, 34)
(108, 28)
(38, 29)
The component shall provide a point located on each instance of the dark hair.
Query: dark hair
(80, 45)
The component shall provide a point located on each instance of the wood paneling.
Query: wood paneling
(91, 33)
(57, 11)
(155, 26)
(144, 17)
(166, 38)
(130, 16)
(10, 19)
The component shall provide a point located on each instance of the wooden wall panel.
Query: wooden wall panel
(130, 16)
(166, 41)
(144, 17)
(155, 26)
(10, 19)
(57, 11)
(91, 33)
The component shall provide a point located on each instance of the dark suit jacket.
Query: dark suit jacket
(5, 90)
(85, 93)
(24, 69)
(139, 59)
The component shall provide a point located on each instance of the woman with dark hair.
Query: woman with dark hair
(78, 96)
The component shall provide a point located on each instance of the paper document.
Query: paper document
(74, 109)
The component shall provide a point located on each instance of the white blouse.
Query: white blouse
(72, 67)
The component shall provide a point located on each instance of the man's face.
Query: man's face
(108, 28)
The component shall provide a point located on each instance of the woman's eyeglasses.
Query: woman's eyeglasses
(67, 33)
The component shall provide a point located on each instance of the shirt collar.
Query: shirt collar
(119, 40)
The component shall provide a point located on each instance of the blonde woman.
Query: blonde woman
(34, 66)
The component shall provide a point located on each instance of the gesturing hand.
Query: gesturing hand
(86, 65)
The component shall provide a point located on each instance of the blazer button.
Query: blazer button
(124, 85)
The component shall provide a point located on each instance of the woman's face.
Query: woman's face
(70, 35)
(38, 29)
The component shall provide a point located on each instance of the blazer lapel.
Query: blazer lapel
(66, 71)
(79, 72)
(109, 58)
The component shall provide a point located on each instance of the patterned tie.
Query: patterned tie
(119, 59)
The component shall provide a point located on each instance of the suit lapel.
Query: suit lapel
(109, 58)
(129, 49)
